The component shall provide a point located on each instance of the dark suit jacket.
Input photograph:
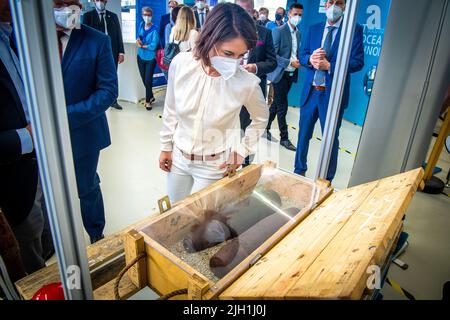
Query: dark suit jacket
(18, 174)
(282, 41)
(263, 55)
(90, 87)
(197, 18)
(165, 20)
(312, 42)
(92, 19)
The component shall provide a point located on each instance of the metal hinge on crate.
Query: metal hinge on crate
(164, 204)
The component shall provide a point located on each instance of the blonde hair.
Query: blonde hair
(185, 23)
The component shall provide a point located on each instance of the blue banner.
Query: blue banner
(159, 8)
(372, 15)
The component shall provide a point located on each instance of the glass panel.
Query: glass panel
(214, 231)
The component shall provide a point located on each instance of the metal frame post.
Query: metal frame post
(337, 89)
(42, 76)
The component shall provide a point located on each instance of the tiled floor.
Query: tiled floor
(132, 182)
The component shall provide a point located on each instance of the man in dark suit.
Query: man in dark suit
(201, 13)
(107, 22)
(286, 40)
(260, 61)
(90, 87)
(318, 55)
(20, 194)
(165, 20)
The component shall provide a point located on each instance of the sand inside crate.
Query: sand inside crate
(200, 260)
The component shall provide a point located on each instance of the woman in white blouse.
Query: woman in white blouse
(184, 32)
(200, 139)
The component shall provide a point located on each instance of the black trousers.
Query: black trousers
(279, 106)
(146, 69)
(245, 120)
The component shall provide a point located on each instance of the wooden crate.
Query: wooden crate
(332, 253)
(164, 272)
(324, 257)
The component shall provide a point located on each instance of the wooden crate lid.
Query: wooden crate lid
(327, 256)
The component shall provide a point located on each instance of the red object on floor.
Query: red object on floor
(52, 291)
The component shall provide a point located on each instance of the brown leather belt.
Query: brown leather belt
(319, 88)
(194, 157)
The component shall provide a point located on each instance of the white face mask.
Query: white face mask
(334, 13)
(200, 5)
(147, 19)
(67, 17)
(100, 5)
(262, 17)
(225, 66)
(295, 20)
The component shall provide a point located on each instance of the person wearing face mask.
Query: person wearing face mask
(286, 40)
(107, 22)
(201, 12)
(279, 19)
(200, 138)
(147, 42)
(263, 17)
(318, 55)
(90, 86)
(166, 20)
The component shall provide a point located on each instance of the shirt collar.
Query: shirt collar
(100, 12)
(290, 27)
(337, 24)
(68, 32)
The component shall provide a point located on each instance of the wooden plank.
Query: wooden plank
(104, 250)
(99, 253)
(299, 266)
(29, 285)
(126, 289)
(107, 272)
(135, 246)
(166, 272)
(197, 288)
(340, 271)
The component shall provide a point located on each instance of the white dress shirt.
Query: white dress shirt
(325, 33)
(65, 39)
(294, 50)
(189, 44)
(200, 110)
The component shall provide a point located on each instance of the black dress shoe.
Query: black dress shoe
(269, 136)
(288, 145)
(98, 238)
(117, 106)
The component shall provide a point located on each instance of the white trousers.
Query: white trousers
(187, 177)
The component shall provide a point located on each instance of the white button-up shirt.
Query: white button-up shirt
(201, 113)
(294, 50)
(65, 39)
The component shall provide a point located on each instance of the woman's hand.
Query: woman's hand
(139, 43)
(234, 161)
(165, 161)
